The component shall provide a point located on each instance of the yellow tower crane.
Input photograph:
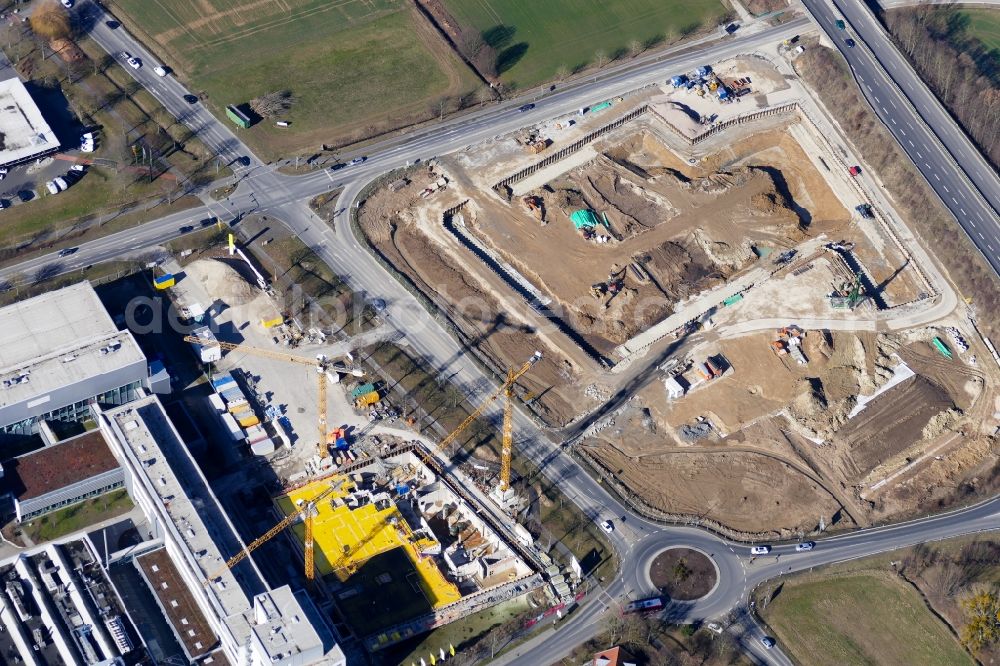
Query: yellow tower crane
(320, 363)
(306, 509)
(507, 448)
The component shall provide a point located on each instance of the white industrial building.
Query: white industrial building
(25, 134)
(60, 353)
(254, 624)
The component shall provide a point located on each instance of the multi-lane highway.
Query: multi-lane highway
(938, 147)
(285, 198)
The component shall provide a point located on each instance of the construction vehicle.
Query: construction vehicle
(303, 511)
(536, 206)
(306, 509)
(321, 362)
(849, 296)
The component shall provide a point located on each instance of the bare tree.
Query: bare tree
(50, 21)
(272, 103)
(635, 47)
(562, 73)
(601, 58)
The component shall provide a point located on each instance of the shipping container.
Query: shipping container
(216, 401)
(237, 406)
(362, 389)
(262, 447)
(367, 399)
(235, 432)
(221, 382)
(247, 421)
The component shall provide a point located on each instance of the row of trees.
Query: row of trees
(960, 70)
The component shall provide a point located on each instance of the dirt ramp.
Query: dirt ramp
(748, 492)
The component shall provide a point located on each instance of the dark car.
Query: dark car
(526, 107)
(187, 228)
(338, 166)
(208, 221)
(841, 25)
(112, 24)
(849, 42)
(66, 251)
(732, 27)
(190, 99)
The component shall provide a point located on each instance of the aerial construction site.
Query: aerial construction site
(729, 321)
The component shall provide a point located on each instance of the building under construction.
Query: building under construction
(402, 551)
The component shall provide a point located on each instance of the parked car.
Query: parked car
(714, 627)
(767, 642)
(160, 70)
(66, 251)
(854, 170)
(190, 99)
(68, 4)
(3, 173)
(525, 107)
(760, 550)
(78, 168)
(804, 546)
(849, 42)
(607, 526)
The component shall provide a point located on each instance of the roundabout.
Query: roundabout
(683, 574)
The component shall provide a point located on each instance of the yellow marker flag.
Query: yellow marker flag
(451, 649)
(232, 244)
(433, 660)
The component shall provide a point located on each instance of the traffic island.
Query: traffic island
(683, 574)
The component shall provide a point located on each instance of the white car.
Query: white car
(760, 550)
(160, 70)
(134, 63)
(804, 546)
(87, 147)
(714, 627)
(607, 526)
(79, 168)
(68, 4)
(3, 173)
(53, 187)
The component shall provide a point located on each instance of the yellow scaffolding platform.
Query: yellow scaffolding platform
(345, 538)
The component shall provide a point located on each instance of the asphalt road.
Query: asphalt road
(285, 198)
(942, 152)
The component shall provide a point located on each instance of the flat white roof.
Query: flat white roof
(58, 339)
(145, 429)
(23, 131)
(280, 625)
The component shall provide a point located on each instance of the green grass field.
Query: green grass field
(534, 40)
(859, 618)
(78, 516)
(352, 65)
(984, 25)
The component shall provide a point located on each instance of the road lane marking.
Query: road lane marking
(919, 156)
(981, 235)
(936, 176)
(946, 189)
